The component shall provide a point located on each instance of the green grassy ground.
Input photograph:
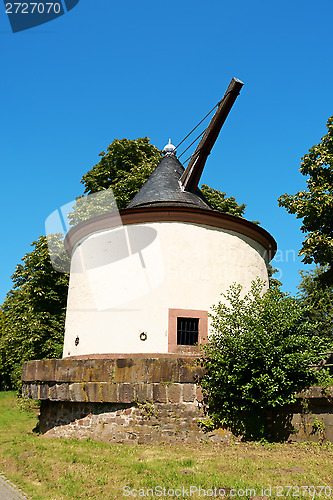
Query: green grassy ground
(67, 469)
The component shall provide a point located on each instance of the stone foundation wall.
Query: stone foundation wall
(144, 399)
(312, 416)
(138, 399)
(125, 423)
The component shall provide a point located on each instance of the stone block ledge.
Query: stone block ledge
(108, 392)
(135, 369)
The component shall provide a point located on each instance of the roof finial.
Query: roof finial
(169, 149)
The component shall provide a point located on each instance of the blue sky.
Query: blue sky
(109, 70)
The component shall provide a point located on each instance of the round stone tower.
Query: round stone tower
(147, 284)
(142, 283)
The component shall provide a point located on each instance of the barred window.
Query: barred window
(187, 331)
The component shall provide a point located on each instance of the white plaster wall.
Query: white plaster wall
(123, 282)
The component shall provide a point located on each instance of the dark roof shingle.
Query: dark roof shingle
(163, 188)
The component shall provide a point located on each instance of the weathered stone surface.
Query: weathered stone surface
(135, 369)
(29, 371)
(45, 370)
(142, 392)
(188, 392)
(34, 391)
(98, 370)
(126, 393)
(317, 394)
(59, 392)
(159, 393)
(163, 370)
(44, 391)
(150, 392)
(77, 392)
(26, 391)
(189, 371)
(174, 392)
(128, 370)
(124, 423)
(94, 392)
(109, 392)
(97, 397)
(199, 395)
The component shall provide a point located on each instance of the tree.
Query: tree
(219, 202)
(32, 317)
(315, 205)
(257, 358)
(125, 166)
(273, 282)
(318, 299)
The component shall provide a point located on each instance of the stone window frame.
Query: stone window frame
(202, 316)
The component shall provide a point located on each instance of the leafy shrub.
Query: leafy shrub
(257, 357)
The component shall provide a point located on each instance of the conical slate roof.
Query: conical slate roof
(162, 188)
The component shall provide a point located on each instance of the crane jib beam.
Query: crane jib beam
(191, 177)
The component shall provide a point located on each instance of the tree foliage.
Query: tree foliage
(258, 357)
(125, 167)
(273, 282)
(219, 202)
(318, 299)
(315, 204)
(32, 317)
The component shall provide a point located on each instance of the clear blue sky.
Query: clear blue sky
(109, 70)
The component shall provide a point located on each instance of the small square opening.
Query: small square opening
(187, 331)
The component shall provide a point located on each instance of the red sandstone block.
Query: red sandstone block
(93, 391)
(29, 371)
(26, 392)
(150, 388)
(53, 392)
(199, 395)
(59, 392)
(128, 411)
(45, 370)
(189, 371)
(188, 392)
(162, 370)
(77, 393)
(130, 370)
(174, 393)
(126, 393)
(159, 393)
(141, 392)
(68, 370)
(44, 391)
(98, 370)
(34, 391)
(109, 392)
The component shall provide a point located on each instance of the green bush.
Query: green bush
(257, 357)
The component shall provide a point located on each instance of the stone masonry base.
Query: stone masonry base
(137, 398)
(144, 399)
(125, 423)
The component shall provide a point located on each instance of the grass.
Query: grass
(67, 469)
